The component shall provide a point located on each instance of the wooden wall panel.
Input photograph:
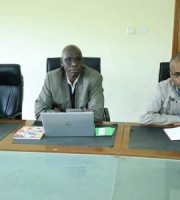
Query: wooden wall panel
(176, 33)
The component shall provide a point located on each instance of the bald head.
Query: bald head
(174, 61)
(72, 61)
(175, 70)
(71, 50)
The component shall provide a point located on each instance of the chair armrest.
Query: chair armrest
(16, 116)
(106, 115)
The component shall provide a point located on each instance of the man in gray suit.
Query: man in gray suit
(74, 85)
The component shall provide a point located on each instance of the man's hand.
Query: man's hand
(57, 109)
(177, 124)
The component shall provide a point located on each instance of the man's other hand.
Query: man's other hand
(57, 109)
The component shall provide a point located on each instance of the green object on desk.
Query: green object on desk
(104, 131)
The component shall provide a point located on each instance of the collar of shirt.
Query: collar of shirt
(177, 90)
(73, 85)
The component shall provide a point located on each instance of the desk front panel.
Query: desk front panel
(147, 179)
(52, 176)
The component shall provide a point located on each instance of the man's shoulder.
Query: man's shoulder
(55, 72)
(166, 87)
(166, 84)
(88, 71)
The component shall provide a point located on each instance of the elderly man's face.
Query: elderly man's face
(175, 73)
(72, 62)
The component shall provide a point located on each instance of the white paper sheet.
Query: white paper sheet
(173, 133)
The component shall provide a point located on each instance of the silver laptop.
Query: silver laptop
(68, 124)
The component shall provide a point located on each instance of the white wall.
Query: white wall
(31, 31)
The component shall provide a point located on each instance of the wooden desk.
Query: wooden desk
(121, 145)
(6, 143)
(57, 174)
(126, 151)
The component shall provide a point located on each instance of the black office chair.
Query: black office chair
(164, 71)
(11, 91)
(94, 63)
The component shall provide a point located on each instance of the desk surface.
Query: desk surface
(121, 145)
(126, 151)
(6, 143)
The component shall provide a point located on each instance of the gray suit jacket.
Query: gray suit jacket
(55, 92)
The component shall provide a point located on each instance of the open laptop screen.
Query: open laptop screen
(68, 124)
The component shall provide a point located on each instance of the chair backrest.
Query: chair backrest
(54, 63)
(164, 71)
(11, 89)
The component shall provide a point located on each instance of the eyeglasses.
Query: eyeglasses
(69, 61)
(176, 74)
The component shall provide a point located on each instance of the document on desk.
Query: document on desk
(173, 133)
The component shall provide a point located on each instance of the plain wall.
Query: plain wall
(33, 30)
